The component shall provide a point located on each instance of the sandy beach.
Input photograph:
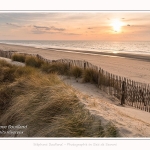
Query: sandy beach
(132, 68)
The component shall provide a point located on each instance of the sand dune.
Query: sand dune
(130, 122)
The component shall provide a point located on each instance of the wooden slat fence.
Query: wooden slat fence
(127, 91)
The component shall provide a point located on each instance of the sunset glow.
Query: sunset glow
(106, 26)
(116, 24)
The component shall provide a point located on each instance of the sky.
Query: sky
(79, 25)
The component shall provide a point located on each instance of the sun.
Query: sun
(117, 24)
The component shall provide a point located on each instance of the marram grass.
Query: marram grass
(47, 106)
(19, 57)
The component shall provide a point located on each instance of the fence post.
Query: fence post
(69, 65)
(123, 93)
(84, 65)
(38, 56)
(98, 78)
(142, 95)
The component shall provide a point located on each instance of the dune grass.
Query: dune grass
(90, 75)
(55, 67)
(6, 72)
(19, 57)
(76, 71)
(33, 61)
(46, 105)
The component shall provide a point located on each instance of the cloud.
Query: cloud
(52, 32)
(43, 32)
(12, 24)
(95, 27)
(57, 29)
(41, 27)
(71, 34)
(48, 28)
(38, 32)
(90, 28)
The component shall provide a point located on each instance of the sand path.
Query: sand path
(130, 122)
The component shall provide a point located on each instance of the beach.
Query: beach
(134, 68)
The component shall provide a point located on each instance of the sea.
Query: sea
(136, 47)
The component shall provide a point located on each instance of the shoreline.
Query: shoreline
(126, 55)
(131, 68)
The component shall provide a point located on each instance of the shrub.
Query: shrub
(33, 62)
(111, 130)
(4, 63)
(5, 98)
(19, 57)
(24, 71)
(47, 68)
(76, 72)
(90, 75)
(7, 75)
(7, 72)
(63, 68)
(55, 67)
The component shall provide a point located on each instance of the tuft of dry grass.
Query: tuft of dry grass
(56, 67)
(6, 72)
(76, 72)
(19, 57)
(90, 75)
(110, 130)
(33, 62)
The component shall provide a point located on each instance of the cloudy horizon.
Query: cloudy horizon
(130, 26)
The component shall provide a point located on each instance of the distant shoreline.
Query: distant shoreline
(134, 56)
(127, 55)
